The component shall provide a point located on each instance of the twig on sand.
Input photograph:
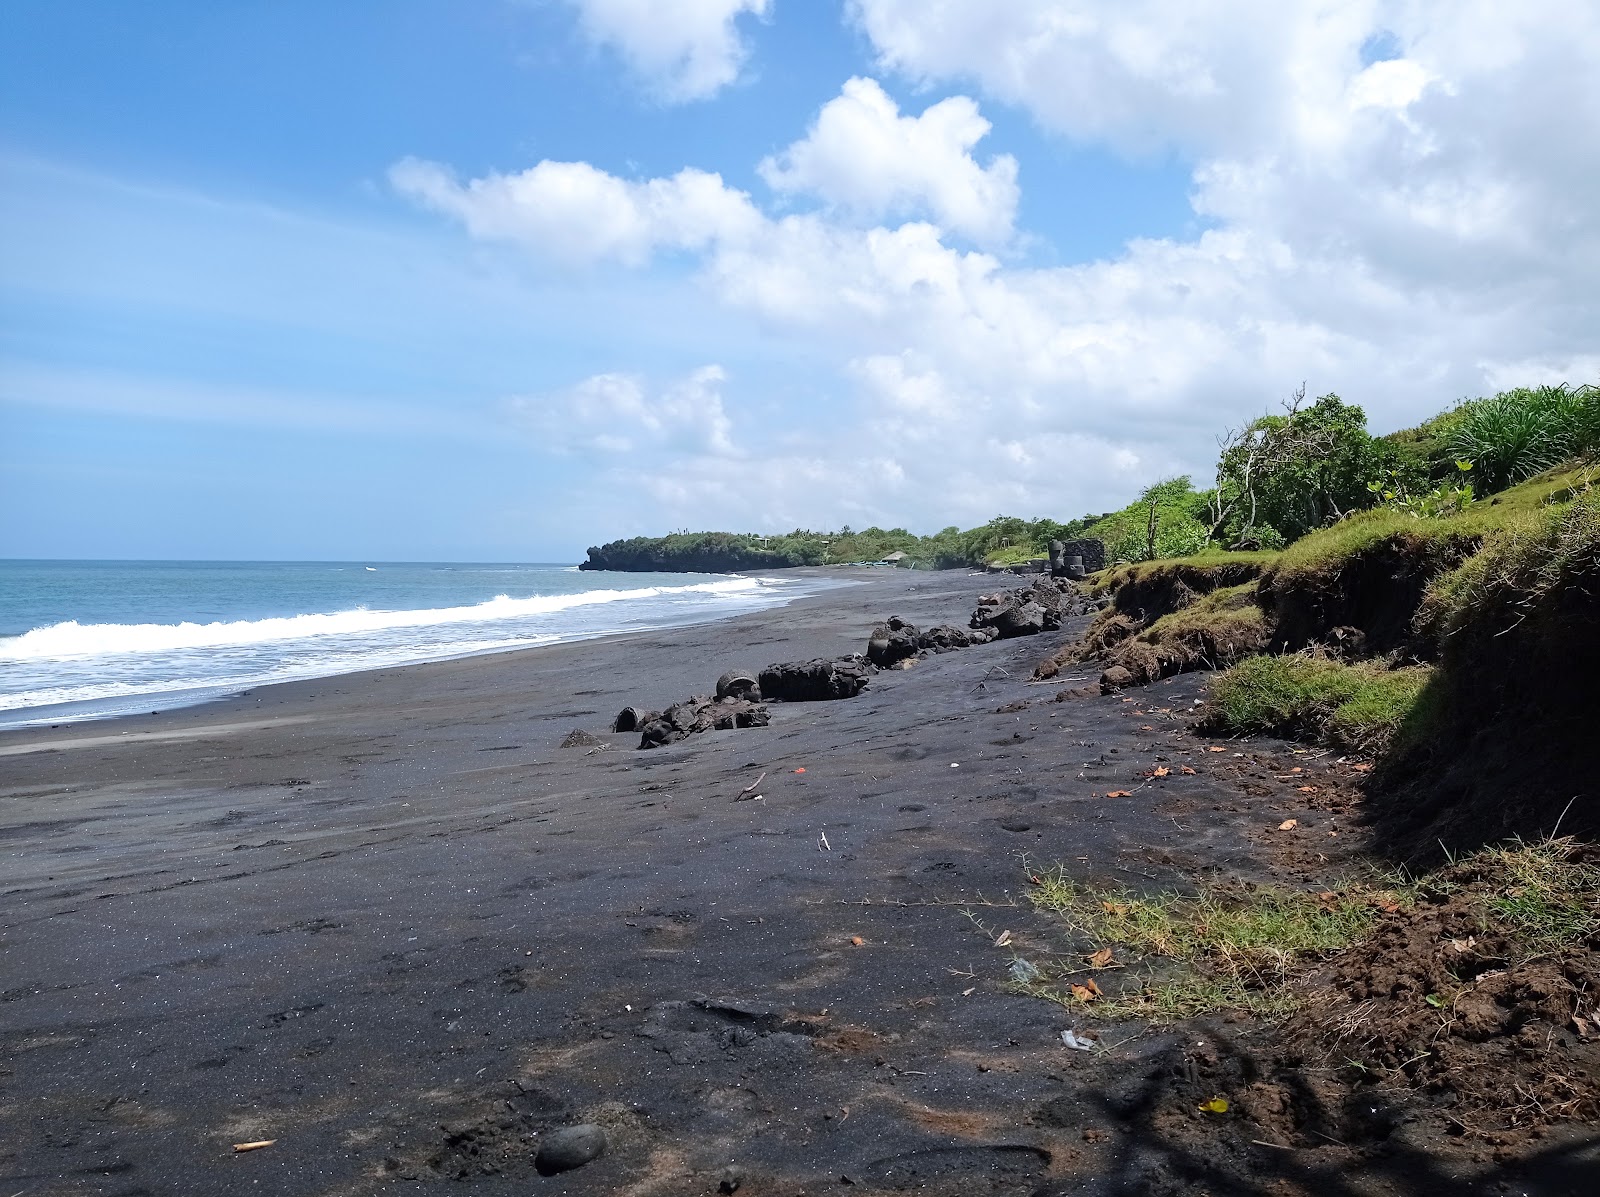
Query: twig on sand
(751, 787)
(823, 845)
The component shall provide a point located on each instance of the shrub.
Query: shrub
(1523, 432)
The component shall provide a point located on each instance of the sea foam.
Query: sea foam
(73, 639)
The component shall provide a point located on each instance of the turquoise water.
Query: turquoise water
(83, 639)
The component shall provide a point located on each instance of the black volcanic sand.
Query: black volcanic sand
(387, 921)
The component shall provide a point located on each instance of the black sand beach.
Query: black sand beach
(388, 922)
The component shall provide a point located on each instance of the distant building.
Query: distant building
(894, 558)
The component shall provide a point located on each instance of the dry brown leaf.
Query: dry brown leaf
(1002, 939)
(257, 1145)
(1362, 768)
(857, 940)
(1288, 824)
(1083, 993)
(1215, 748)
(1160, 771)
(1119, 793)
(1100, 959)
(1186, 769)
(1115, 907)
(1306, 789)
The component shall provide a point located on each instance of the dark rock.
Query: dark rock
(1114, 679)
(1024, 619)
(945, 638)
(738, 683)
(685, 719)
(891, 643)
(632, 719)
(816, 681)
(570, 1148)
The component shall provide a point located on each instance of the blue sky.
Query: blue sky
(423, 280)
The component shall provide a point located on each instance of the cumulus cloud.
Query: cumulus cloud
(862, 156)
(573, 212)
(1405, 231)
(610, 414)
(682, 49)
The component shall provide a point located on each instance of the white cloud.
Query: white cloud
(572, 212)
(620, 413)
(862, 156)
(1405, 232)
(683, 49)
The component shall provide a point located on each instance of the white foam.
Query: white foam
(72, 639)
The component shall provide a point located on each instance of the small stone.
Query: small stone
(732, 1180)
(570, 1148)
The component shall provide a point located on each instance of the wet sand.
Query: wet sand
(387, 921)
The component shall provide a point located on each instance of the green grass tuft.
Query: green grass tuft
(1360, 708)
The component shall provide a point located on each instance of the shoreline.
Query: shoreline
(389, 922)
(97, 710)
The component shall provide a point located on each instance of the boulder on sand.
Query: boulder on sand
(685, 719)
(1038, 607)
(738, 683)
(892, 643)
(945, 638)
(632, 719)
(816, 681)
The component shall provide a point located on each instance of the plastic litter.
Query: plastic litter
(1076, 1043)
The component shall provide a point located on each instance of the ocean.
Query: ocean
(90, 639)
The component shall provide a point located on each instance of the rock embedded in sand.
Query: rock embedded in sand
(570, 1148)
(684, 719)
(632, 719)
(816, 681)
(580, 739)
(738, 683)
(892, 643)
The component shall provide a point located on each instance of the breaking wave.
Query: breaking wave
(73, 639)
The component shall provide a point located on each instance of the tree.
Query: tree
(1295, 472)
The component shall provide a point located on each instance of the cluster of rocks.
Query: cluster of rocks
(741, 698)
(1037, 607)
(896, 641)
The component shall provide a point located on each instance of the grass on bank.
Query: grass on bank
(1223, 947)
(1539, 893)
(1214, 562)
(1356, 708)
(1251, 948)
(1325, 552)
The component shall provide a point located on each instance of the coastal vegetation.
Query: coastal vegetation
(1444, 626)
(1280, 480)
